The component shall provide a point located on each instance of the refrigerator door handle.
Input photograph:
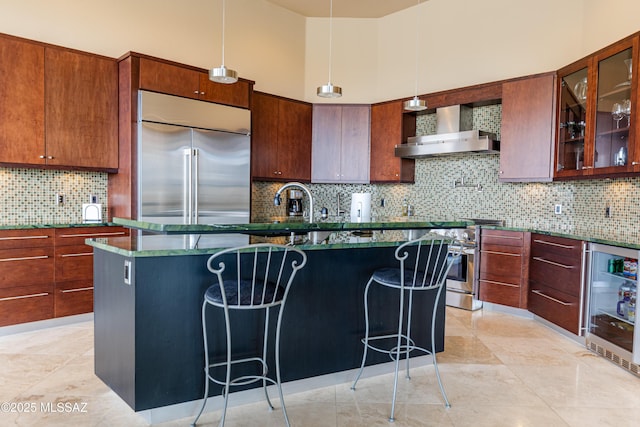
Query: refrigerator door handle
(196, 178)
(187, 202)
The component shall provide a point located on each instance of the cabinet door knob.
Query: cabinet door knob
(50, 157)
(196, 92)
(635, 163)
(587, 167)
(201, 93)
(42, 157)
(501, 172)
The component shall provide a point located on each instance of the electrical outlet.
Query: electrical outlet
(557, 209)
(607, 212)
(59, 199)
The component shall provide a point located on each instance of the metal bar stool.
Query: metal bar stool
(250, 277)
(424, 265)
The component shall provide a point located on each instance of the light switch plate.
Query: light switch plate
(557, 209)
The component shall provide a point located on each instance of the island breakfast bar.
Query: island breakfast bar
(149, 290)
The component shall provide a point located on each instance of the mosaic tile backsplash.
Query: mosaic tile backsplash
(28, 195)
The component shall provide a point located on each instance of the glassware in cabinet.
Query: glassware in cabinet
(572, 121)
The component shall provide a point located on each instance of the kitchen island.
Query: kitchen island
(149, 290)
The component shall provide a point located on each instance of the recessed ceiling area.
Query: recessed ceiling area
(345, 8)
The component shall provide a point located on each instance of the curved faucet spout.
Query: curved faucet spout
(276, 199)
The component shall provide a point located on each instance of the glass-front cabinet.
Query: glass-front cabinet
(596, 123)
(611, 314)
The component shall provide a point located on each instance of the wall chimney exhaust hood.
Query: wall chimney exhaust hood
(454, 135)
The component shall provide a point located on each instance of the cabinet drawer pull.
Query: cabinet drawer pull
(24, 237)
(542, 294)
(495, 236)
(544, 242)
(66, 291)
(499, 253)
(511, 285)
(557, 264)
(115, 233)
(26, 258)
(74, 255)
(44, 294)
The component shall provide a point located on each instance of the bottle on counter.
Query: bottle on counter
(405, 207)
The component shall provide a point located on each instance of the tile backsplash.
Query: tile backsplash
(28, 195)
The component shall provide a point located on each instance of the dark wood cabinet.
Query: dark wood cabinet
(504, 265)
(46, 273)
(74, 268)
(596, 117)
(390, 126)
(81, 110)
(340, 143)
(280, 138)
(182, 80)
(21, 102)
(26, 275)
(527, 130)
(555, 287)
(58, 107)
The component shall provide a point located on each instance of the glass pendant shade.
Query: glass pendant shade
(223, 74)
(415, 104)
(329, 91)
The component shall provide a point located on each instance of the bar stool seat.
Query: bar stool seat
(248, 278)
(424, 265)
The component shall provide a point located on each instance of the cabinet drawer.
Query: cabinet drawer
(74, 262)
(25, 304)
(14, 239)
(74, 297)
(77, 236)
(499, 292)
(502, 238)
(558, 249)
(555, 306)
(23, 267)
(501, 267)
(555, 274)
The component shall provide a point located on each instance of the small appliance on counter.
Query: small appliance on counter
(91, 212)
(294, 206)
(361, 207)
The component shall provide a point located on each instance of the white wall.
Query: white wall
(462, 42)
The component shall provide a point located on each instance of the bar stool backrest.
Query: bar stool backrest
(426, 261)
(257, 275)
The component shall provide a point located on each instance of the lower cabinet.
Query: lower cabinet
(504, 267)
(46, 273)
(26, 275)
(555, 285)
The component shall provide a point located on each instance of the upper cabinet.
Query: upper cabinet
(596, 123)
(390, 126)
(58, 107)
(81, 110)
(182, 80)
(527, 129)
(340, 143)
(21, 102)
(280, 138)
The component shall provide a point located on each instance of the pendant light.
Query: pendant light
(329, 90)
(416, 104)
(223, 74)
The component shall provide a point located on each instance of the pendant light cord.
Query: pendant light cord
(416, 56)
(223, 15)
(330, 35)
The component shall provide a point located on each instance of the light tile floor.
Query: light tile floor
(498, 370)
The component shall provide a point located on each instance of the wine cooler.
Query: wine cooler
(611, 312)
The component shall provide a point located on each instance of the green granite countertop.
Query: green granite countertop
(587, 236)
(71, 225)
(141, 245)
(286, 225)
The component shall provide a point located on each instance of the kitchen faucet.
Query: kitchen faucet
(276, 199)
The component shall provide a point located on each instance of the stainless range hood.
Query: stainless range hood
(454, 135)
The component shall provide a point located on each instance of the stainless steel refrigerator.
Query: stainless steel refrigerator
(193, 161)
